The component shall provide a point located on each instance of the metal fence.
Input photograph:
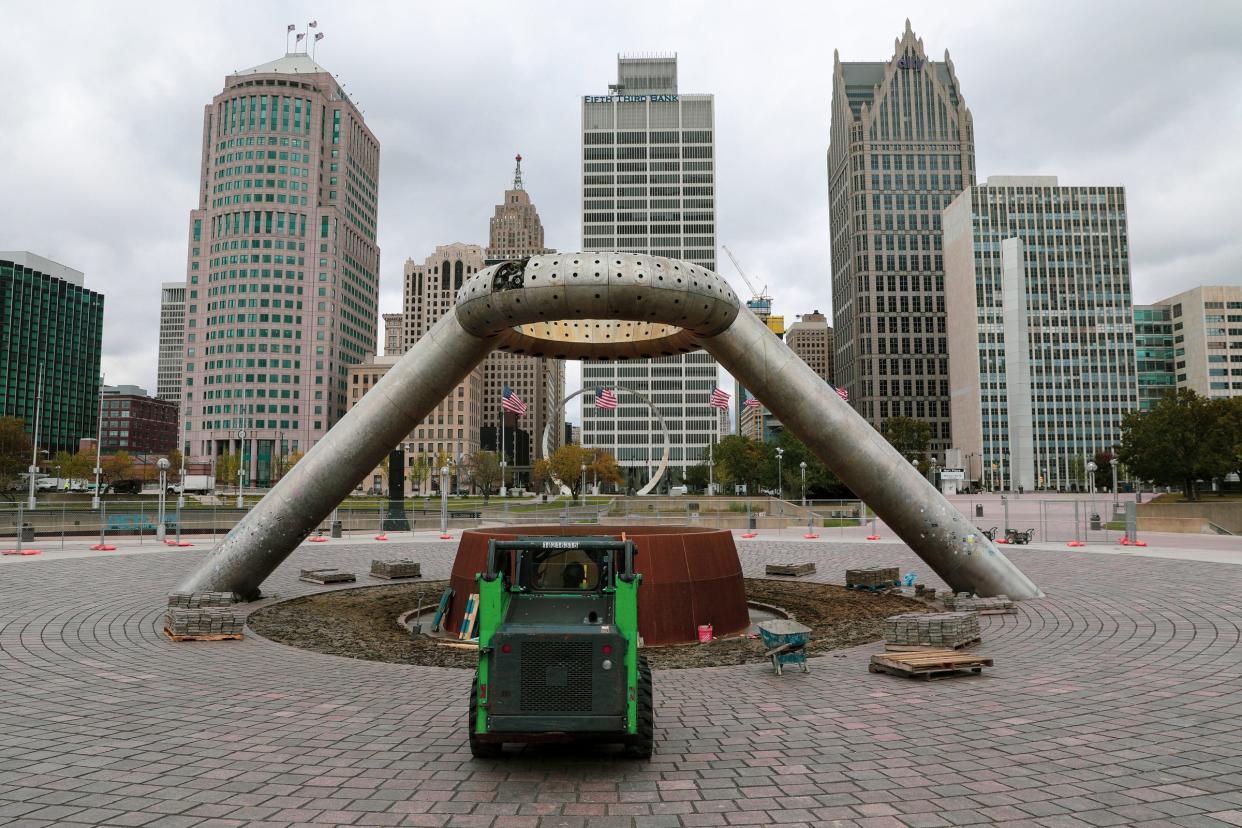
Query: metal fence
(1087, 519)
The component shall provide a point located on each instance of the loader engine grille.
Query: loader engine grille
(556, 677)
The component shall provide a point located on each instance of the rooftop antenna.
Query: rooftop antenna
(517, 173)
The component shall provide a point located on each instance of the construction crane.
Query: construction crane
(760, 301)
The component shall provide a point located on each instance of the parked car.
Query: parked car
(126, 486)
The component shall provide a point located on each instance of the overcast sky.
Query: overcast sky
(101, 134)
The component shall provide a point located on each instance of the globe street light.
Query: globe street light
(1113, 463)
(1091, 467)
(802, 466)
(162, 464)
(780, 479)
(582, 496)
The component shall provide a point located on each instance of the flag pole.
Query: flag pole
(503, 467)
(711, 457)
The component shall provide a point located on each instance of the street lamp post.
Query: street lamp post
(802, 466)
(241, 469)
(162, 464)
(98, 447)
(181, 494)
(444, 476)
(780, 477)
(1091, 468)
(1113, 463)
(582, 497)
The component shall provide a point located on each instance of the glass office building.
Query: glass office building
(1153, 353)
(51, 330)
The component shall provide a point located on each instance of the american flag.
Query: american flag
(510, 401)
(720, 399)
(752, 402)
(841, 392)
(605, 398)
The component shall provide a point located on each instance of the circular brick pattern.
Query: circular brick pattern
(1114, 701)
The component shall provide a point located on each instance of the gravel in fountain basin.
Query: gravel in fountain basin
(362, 623)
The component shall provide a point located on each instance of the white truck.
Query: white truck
(194, 484)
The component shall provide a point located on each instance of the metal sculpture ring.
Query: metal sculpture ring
(660, 470)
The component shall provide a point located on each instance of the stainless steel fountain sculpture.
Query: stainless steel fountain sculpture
(606, 306)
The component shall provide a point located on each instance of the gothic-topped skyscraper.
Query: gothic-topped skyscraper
(901, 148)
(516, 232)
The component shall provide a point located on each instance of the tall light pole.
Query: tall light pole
(181, 493)
(582, 497)
(1091, 467)
(780, 477)
(802, 466)
(444, 474)
(98, 446)
(241, 468)
(162, 464)
(1113, 463)
(34, 452)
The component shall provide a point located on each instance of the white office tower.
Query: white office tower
(648, 186)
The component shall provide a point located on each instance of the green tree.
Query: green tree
(482, 469)
(697, 476)
(740, 461)
(566, 465)
(1182, 439)
(226, 469)
(15, 451)
(604, 468)
(909, 436)
(820, 482)
(541, 473)
(118, 466)
(78, 466)
(420, 469)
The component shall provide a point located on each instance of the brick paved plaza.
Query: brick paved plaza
(1117, 700)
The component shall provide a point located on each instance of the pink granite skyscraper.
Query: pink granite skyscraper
(283, 273)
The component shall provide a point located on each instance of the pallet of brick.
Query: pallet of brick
(874, 578)
(326, 576)
(203, 624)
(793, 570)
(197, 600)
(965, 602)
(394, 569)
(931, 631)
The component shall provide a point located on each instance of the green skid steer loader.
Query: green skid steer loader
(558, 647)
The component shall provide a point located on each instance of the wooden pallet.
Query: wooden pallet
(203, 636)
(929, 648)
(928, 665)
(792, 570)
(873, 587)
(393, 577)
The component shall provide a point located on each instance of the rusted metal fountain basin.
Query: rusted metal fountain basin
(691, 576)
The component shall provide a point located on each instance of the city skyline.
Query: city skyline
(1163, 77)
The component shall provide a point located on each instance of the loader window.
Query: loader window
(564, 570)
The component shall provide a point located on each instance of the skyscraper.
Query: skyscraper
(282, 289)
(172, 341)
(901, 147)
(811, 339)
(51, 334)
(648, 186)
(1153, 353)
(1041, 328)
(515, 232)
(1205, 329)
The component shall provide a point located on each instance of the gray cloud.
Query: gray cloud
(104, 109)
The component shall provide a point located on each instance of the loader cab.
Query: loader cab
(558, 640)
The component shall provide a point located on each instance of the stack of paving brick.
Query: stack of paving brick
(965, 602)
(399, 568)
(197, 600)
(196, 614)
(872, 576)
(942, 629)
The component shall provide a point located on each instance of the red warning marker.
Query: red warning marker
(22, 552)
(873, 537)
(381, 537)
(1140, 543)
(104, 547)
(446, 536)
(318, 539)
(810, 535)
(185, 543)
(749, 534)
(1075, 543)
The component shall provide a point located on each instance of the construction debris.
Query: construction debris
(326, 576)
(791, 569)
(874, 578)
(197, 600)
